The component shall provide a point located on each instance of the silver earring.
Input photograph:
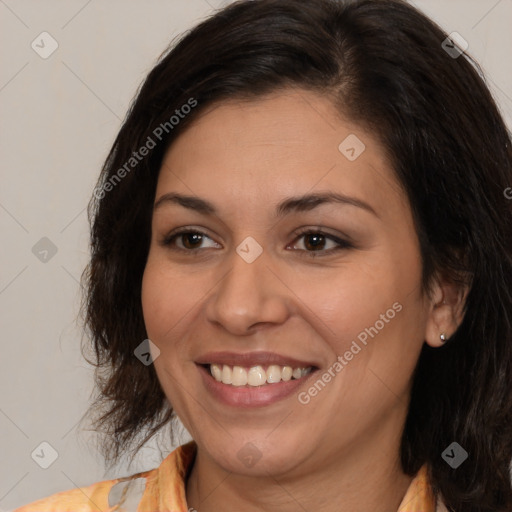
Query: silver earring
(443, 337)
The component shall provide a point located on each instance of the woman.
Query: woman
(301, 247)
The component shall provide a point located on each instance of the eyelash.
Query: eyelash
(342, 244)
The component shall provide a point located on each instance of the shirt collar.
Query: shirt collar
(172, 474)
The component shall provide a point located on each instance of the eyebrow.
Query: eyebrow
(293, 204)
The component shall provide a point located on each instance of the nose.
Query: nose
(249, 296)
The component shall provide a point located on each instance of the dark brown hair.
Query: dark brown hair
(383, 64)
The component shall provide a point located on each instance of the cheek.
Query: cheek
(347, 300)
(373, 316)
(166, 298)
(153, 298)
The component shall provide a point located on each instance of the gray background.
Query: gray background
(59, 117)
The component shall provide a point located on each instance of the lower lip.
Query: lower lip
(251, 396)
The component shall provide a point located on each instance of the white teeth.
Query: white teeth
(286, 373)
(256, 375)
(216, 372)
(227, 374)
(239, 376)
(305, 371)
(273, 373)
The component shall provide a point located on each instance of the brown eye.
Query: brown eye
(189, 241)
(318, 242)
(314, 241)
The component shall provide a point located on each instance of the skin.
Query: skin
(341, 450)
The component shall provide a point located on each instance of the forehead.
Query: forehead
(287, 143)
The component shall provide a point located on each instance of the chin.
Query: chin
(257, 456)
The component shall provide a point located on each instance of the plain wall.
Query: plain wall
(59, 117)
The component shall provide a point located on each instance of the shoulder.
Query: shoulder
(93, 498)
(150, 489)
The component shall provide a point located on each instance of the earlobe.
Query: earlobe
(446, 312)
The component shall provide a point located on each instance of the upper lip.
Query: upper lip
(250, 359)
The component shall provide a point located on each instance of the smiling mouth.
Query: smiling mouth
(255, 376)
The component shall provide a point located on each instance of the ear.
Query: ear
(447, 300)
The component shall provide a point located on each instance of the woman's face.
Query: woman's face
(253, 292)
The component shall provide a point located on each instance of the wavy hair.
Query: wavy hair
(383, 64)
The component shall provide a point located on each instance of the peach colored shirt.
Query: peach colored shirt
(163, 490)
